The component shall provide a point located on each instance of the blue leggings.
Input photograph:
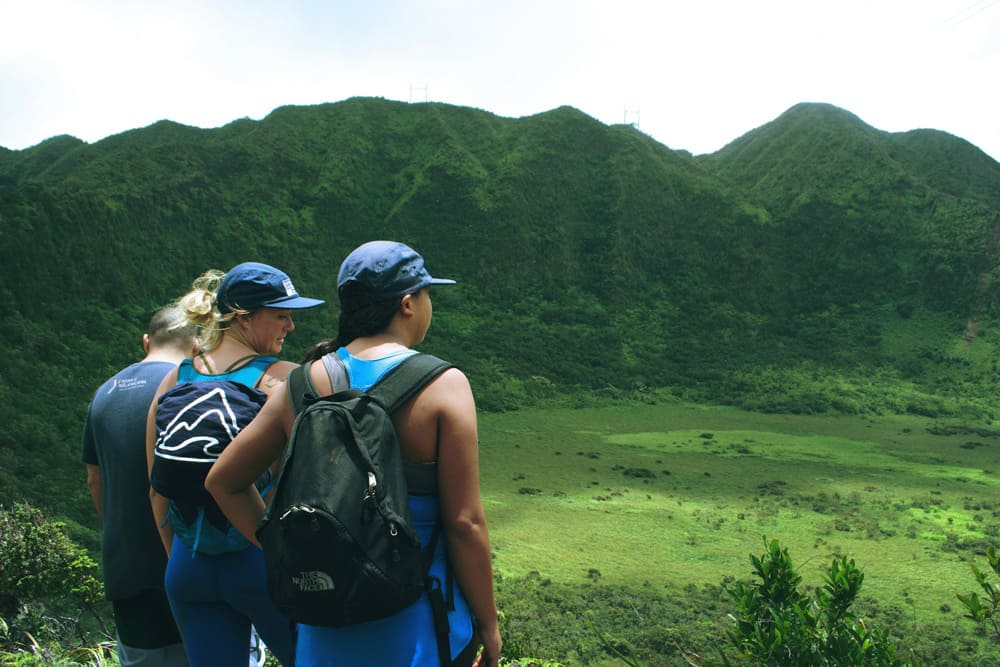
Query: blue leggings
(216, 598)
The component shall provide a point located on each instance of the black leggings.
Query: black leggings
(145, 620)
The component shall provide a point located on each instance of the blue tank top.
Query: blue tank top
(248, 374)
(364, 373)
(194, 531)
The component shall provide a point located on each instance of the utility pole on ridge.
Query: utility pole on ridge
(416, 88)
(634, 111)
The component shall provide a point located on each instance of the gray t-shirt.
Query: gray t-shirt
(114, 439)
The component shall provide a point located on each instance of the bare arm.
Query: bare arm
(94, 484)
(159, 504)
(258, 446)
(461, 506)
(272, 382)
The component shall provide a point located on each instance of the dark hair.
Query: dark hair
(358, 323)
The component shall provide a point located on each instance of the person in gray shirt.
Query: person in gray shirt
(114, 449)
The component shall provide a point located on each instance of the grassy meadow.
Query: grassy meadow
(671, 495)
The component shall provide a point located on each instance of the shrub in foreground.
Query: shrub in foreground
(985, 610)
(777, 624)
(45, 581)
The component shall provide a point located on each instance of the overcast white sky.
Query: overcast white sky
(692, 74)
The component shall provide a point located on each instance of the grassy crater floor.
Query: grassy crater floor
(677, 495)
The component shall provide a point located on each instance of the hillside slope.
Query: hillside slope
(590, 259)
(903, 217)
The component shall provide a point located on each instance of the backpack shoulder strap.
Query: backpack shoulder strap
(336, 371)
(401, 383)
(301, 387)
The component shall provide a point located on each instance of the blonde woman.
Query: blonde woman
(216, 593)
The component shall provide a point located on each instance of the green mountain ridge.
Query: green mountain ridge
(592, 260)
(887, 205)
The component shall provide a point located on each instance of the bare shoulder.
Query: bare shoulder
(275, 375)
(451, 388)
(453, 378)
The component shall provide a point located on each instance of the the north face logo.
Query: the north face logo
(312, 581)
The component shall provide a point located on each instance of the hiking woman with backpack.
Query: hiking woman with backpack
(384, 292)
(215, 578)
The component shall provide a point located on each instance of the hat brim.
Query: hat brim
(441, 281)
(293, 303)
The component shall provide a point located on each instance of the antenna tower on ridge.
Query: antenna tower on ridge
(633, 112)
(416, 89)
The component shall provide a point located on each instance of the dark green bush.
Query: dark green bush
(777, 624)
(46, 581)
(985, 610)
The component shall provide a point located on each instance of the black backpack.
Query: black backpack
(337, 536)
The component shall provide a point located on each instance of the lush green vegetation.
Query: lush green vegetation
(50, 597)
(631, 521)
(814, 267)
(985, 609)
(776, 622)
(647, 511)
(814, 244)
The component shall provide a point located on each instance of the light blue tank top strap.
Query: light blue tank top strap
(248, 374)
(364, 373)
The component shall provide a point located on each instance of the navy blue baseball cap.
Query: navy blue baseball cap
(252, 285)
(385, 270)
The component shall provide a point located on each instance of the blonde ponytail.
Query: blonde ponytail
(201, 308)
